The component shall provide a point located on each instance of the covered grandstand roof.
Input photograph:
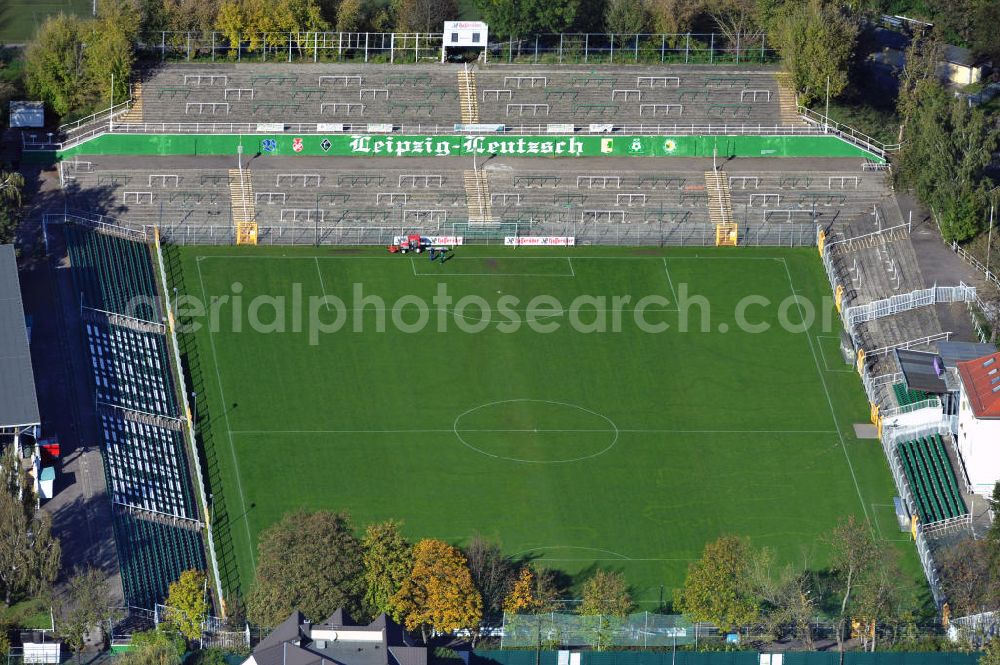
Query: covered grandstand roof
(18, 403)
(919, 373)
(953, 353)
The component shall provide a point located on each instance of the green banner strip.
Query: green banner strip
(376, 145)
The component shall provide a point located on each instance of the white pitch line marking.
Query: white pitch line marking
(229, 430)
(829, 400)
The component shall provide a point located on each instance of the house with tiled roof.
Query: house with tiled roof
(338, 640)
(979, 421)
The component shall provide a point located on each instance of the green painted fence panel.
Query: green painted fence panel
(377, 145)
(667, 657)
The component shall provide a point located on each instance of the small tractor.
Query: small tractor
(411, 243)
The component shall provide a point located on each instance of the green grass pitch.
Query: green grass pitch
(622, 450)
(19, 19)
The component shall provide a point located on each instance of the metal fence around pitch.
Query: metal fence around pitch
(665, 235)
(641, 629)
(412, 47)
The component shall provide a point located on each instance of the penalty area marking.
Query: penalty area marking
(618, 556)
(826, 390)
(572, 273)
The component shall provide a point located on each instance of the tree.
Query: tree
(154, 647)
(605, 600)
(816, 42)
(719, 587)
(736, 20)
(11, 188)
(54, 64)
(308, 561)
(947, 149)
(674, 16)
(991, 653)
(492, 573)
(525, 18)
(967, 577)
(607, 593)
(624, 17)
(350, 16)
(789, 605)
(29, 553)
(84, 604)
(165, 637)
(521, 599)
(187, 605)
(866, 573)
(424, 15)
(439, 593)
(387, 557)
(109, 54)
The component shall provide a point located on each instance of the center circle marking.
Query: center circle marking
(612, 429)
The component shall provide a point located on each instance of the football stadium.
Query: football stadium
(602, 314)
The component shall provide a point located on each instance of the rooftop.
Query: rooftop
(981, 378)
(339, 640)
(18, 403)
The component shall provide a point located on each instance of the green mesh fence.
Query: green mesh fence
(567, 630)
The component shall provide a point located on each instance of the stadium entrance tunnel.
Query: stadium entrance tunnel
(536, 431)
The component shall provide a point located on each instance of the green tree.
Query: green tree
(84, 604)
(816, 42)
(524, 18)
(29, 553)
(424, 15)
(991, 653)
(625, 17)
(11, 192)
(187, 604)
(154, 647)
(350, 15)
(946, 150)
(606, 601)
(606, 592)
(387, 558)
(109, 54)
(308, 561)
(719, 587)
(439, 593)
(55, 71)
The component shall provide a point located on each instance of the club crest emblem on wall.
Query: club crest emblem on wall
(269, 145)
(297, 145)
(669, 146)
(326, 145)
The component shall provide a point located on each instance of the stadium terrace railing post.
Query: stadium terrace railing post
(711, 50)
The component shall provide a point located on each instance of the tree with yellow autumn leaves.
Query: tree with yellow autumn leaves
(439, 593)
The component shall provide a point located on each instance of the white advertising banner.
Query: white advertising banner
(540, 241)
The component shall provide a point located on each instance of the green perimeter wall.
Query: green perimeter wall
(528, 657)
(341, 145)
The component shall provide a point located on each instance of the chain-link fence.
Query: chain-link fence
(553, 629)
